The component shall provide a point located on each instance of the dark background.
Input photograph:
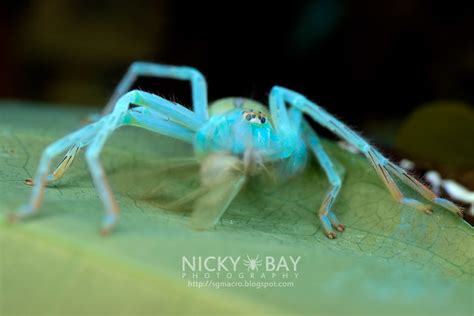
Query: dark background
(372, 63)
(357, 58)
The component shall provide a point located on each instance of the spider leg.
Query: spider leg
(137, 69)
(326, 215)
(168, 110)
(98, 174)
(41, 177)
(291, 124)
(422, 189)
(134, 108)
(65, 163)
(154, 113)
(279, 96)
(291, 121)
(144, 116)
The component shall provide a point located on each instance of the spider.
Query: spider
(252, 263)
(234, 138)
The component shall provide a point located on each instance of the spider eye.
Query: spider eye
(248, 117)
(263, 120)
(254, 116)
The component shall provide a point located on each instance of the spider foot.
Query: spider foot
(328, 222)
(108, 224)
(105, 231)
(387, 168)
(426, 208)
(12, 218)
(341, 227)
(23, 212)
(450, 206)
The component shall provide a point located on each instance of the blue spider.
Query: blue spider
(234, 138)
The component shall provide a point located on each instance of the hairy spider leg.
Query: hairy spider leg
(135, 108)
(97, 171)
(291, 122)
(82, 135)
(154, 121)
(382, 165)
(137, 69)
(326, 214)
(150, 118)
(422, 189)
(174, 118)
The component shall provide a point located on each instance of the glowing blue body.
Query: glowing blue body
(231, 133)
(237, 127)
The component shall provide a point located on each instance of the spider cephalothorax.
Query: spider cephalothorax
(229, 147)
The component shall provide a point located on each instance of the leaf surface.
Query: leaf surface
(391, 259)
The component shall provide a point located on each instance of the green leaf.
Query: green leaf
(391, 259)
